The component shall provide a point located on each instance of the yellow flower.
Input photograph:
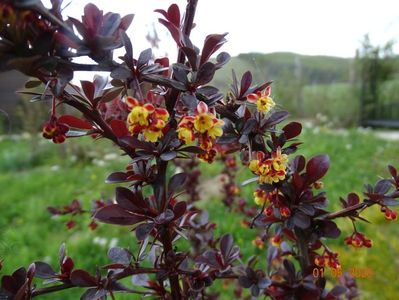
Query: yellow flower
(261, 196)
(154, 132)
(264, 103)
(139, 115)
(216, 130)
(270, 170)
(203, 122)
(185, 134)
(146, 119)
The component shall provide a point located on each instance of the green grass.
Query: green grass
(33, 177)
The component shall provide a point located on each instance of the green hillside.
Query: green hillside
(290, 72)
(282, 65)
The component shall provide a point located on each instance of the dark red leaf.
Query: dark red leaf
(129, 200)
(119, 128)
(44, 270)
(276, 118)
(174, 15)
(298, 164)
(292, 129)
(115, 214)
(246, 81)
(111, 94)
(82, 278)
(63, 39)
(317, 167)
(179, 209)
(212, 43)
(74, 122)
(353, 199)
(67, 265)
(393, 171)
(329, 229)
(226, 244)
(88, 89)
(297, 181)
(176, 181)
(117, 177)
(205, 73)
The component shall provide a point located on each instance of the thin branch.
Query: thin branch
(51, 289)
(347, 211)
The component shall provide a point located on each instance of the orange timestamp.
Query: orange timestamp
(355, 272)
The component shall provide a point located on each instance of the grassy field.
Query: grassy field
(33, 177)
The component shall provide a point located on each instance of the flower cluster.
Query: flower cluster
(389, 214)
(358, 240)
(54, 130)
(204, 126)
(271, 169)
(264, 103)
(258, 243)
(329, 259)
(276, 240)
(146, 119)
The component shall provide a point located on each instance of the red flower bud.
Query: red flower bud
(319, 261)
(390, 214)
(285, 211)
(70, 224)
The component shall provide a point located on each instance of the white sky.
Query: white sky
(314, 27)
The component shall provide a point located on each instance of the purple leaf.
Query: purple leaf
(144, 58)
(165, 217)
(117, 177)
(175, 182)
(301, 220)
(317, 167)
(212, 43)
(292, 129)
(143, 230)
(205, 73)
(88, 89)
(115, 214)
(44, 270)
(179, 209)
(382, 186)
(82, 278)
(246, 81)
(119, 255)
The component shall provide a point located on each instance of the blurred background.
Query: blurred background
(335, 68)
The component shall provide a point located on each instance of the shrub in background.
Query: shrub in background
(157, 113)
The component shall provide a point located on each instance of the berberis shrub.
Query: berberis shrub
(166, 118)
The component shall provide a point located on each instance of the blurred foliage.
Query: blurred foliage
(338, 103)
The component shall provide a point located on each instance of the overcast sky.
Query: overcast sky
(314, 27)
